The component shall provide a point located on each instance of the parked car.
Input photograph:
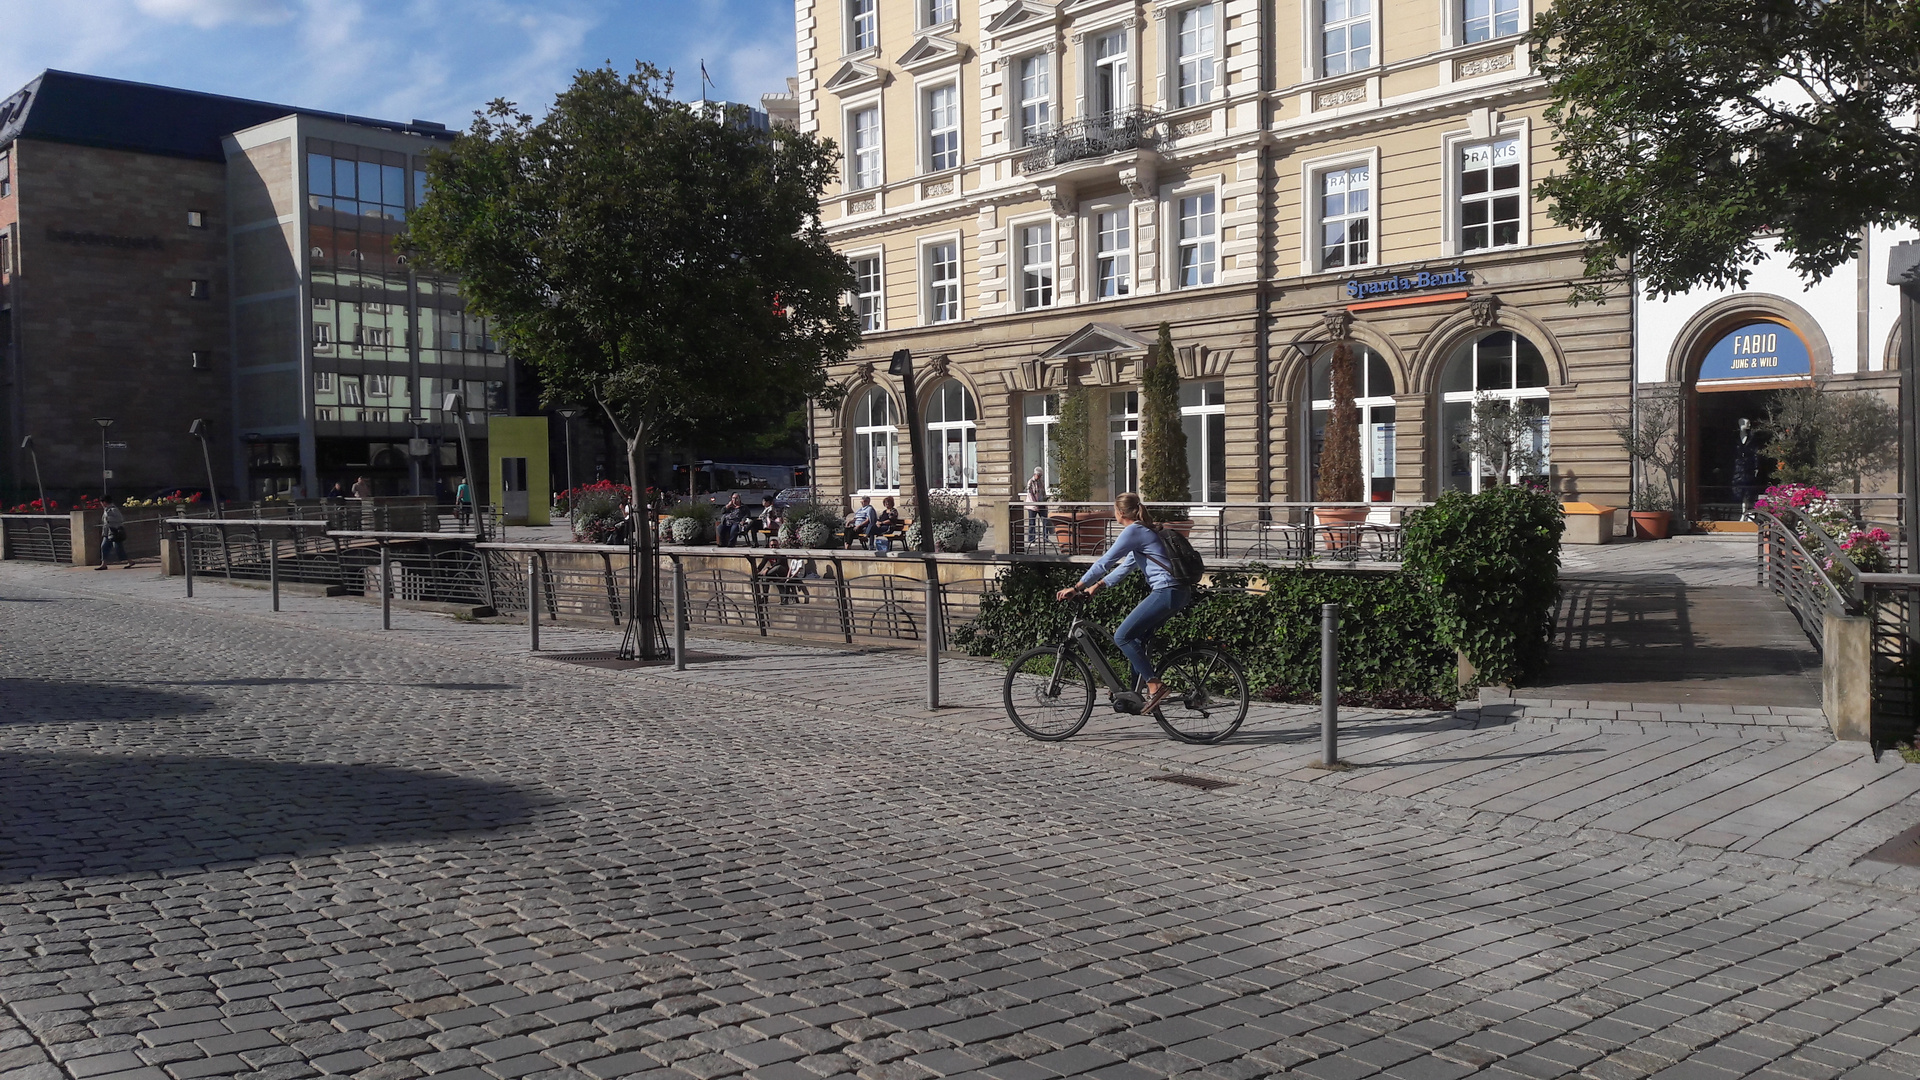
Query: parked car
(793, 495)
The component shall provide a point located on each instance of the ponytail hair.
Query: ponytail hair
(1129, 504)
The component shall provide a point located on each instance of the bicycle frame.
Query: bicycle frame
(1087, 636)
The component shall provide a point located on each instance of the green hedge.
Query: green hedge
(1388, 637)
(1481, 577)
(1491, 563)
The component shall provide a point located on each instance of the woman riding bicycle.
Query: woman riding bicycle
(1138, 545)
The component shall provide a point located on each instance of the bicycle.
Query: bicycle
(1049, 690)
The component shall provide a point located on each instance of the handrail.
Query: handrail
(1839, 559)
(221, 523)
(1773, 529)
(49, 517)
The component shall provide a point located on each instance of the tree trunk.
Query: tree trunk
(645, 578)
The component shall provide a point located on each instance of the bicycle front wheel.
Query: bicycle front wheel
(1207, 698)
(1049, 693)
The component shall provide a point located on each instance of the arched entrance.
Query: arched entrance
(1737, 371)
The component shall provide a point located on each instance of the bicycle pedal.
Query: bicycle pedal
(1128, 703)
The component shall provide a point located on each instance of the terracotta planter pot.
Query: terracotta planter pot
(1651, 524)
(1346, 522)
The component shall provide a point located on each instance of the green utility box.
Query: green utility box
(520, 484)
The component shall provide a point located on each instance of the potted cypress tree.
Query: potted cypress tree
(1163, 442)
(1073, 460)
(1340, 479)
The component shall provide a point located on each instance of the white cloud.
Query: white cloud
(207, 14)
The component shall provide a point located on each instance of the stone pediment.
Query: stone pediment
(1021, 16)
(1098, 339)
(854, 77)
(931, 51)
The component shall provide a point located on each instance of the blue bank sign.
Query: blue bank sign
(1759, 350)
(1393, 283)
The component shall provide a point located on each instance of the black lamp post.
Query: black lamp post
(456, 403)
(1903, 270)
(106, 474)
(568, 414)
(902, 368)
(198, 429)
(27, 445)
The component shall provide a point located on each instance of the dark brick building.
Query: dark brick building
(167, 256)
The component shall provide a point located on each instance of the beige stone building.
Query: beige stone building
(1030, 189)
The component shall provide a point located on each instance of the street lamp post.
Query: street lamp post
(1903, 271)
(198, 429)
(901, 367)
(568, 414)
(27, 445)
(456, 403)
(106, 474)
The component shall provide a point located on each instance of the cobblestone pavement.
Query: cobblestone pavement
(241, 845)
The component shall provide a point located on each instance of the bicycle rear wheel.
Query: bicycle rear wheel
(1049, 693)
(1208, 695)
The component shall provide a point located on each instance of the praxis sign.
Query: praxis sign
(1394, 283)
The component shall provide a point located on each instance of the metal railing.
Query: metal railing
(1799, 576)
(44, 538)
(425, 567)
(1093, 137)
(1270, 532)
(854, 597)
(1892, 602)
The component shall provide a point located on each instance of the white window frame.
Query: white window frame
(1123, 443)
(1454, 145)
(1129, 276)
(323, 382)
(1019, 102)
(1511, 396)
(929, 306)
(1314, 65)
(1177, 244)
(1203, 412)
(853, 113)
(928, 131)
(948, 432)
(1208, 56)
(1098, 72)
(878, 295)
(932, 13)
(1367, 401)
(1453, 25)
(379, 386)
(852, 29)
(1048, 423)
(1311, 259)
(862, 429)
(1018, 266)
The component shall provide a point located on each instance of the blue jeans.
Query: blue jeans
(1136, 633)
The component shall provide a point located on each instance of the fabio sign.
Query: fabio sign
(1758, 350)
(1393, 283)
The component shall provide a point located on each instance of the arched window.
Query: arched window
(1507, 370)
(953, 438)
(876, 444)
(1375, 400)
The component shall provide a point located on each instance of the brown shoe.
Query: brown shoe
(1154, 701)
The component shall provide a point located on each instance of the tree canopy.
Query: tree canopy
(664, 264)
(1691, 131)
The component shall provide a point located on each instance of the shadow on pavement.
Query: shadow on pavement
(43, 701)
(75, 815)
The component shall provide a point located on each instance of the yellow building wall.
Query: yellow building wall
(510, 437)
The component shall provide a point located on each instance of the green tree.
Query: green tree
(1688, 131)
(1163, 442)
(1340, 479)
(1828, 439)
(664, 265)
(1073, 445)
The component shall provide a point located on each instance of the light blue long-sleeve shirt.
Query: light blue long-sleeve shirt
(1138, 546)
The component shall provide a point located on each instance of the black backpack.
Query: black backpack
(1183, 562)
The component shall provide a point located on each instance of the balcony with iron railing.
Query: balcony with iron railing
(1093, 137)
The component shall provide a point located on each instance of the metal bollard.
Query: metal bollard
(1329, 685)
(273, 572)
(533, 602)
(933, 634)
(679, 615)
(186, 556)
(386, 589)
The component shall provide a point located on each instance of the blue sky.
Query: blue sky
(398, 59)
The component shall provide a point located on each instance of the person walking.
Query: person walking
(463, 501)
(362, 489)
(1036, 506)
(1138, 545)
(113, 535)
